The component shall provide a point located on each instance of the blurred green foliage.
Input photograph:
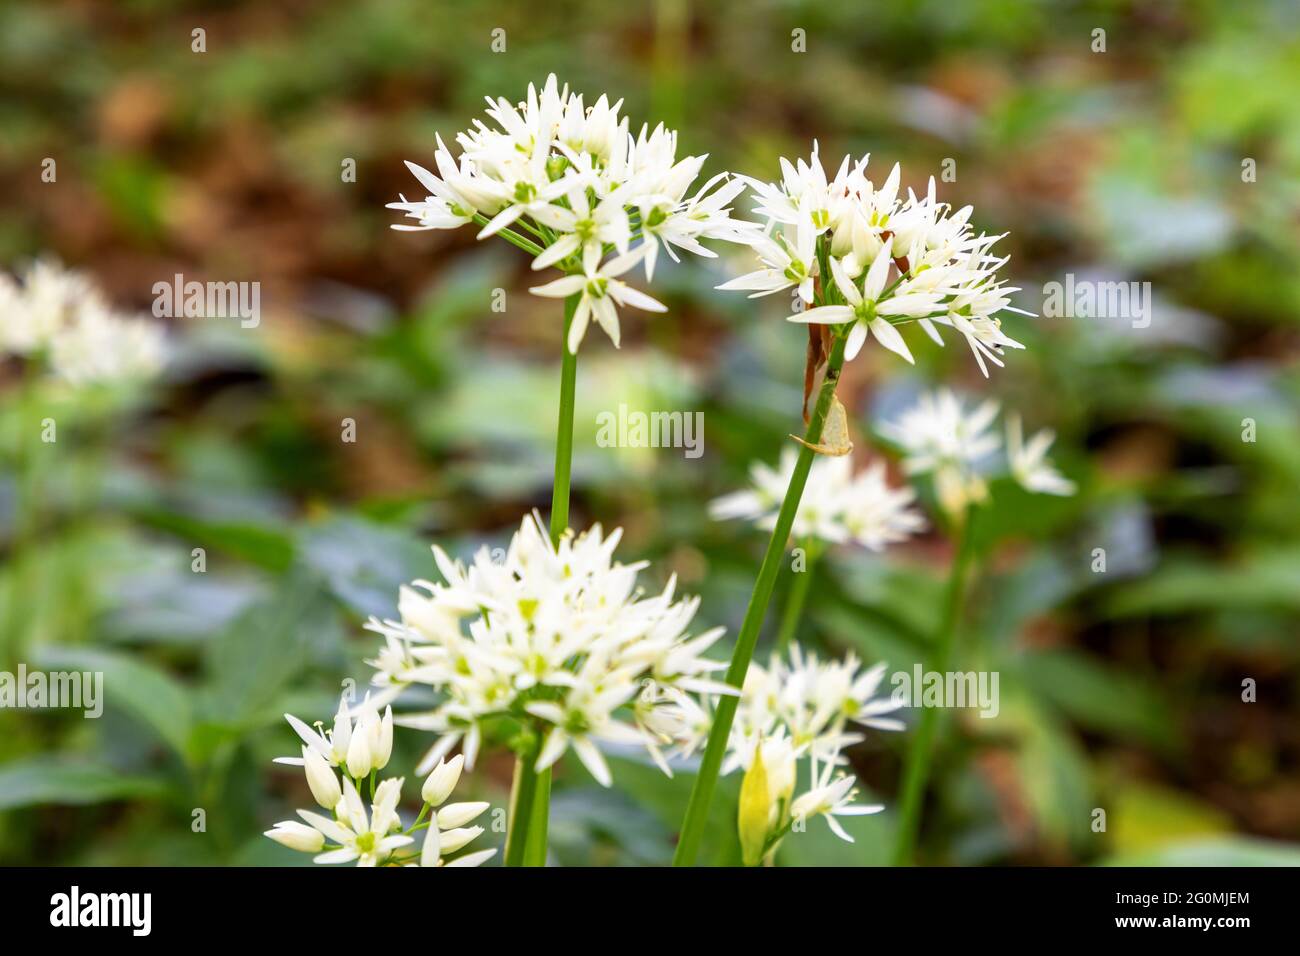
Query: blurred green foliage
(1121, 690)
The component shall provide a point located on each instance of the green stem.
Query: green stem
(916, 766)
(697, 811)
(529, 831)
(564, 430)
(26, 518)
(512, 237)
(523, 796)
(796, 599)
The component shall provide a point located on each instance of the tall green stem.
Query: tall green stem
(26, 522)
(531, 798)
(916, 767)
(796, 599)
(523, 798)
(697, 811)
(564, 430)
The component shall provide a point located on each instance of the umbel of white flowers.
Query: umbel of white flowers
(586, 196)
(939, 436)
(58, 316)
(837, 506)
(893, 261)
(559, 638)
(794, 710)
(337, 763)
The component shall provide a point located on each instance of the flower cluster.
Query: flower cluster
(60, 315)
(581, 188)
(892, 260)
(837, 506)
(791, 710)
(558, 638)
(938, 435)
(359, 746)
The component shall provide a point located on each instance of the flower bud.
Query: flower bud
(360, 760)
(430, 853)
(297, 836)
(443, 780)
(458, 814)
(342, 734)
(755, 810)
(382, 745)
(320, 778)
(453, 840)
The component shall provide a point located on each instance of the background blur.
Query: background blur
(1120, 690)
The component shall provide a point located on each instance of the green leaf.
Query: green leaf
(40, 780)
(666, 798)
(1100, 698)
(149, 694)
(1147, 817)
(1220, 851)
(1263, 579)
(364, 563)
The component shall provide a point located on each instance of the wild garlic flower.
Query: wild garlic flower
(797, 709)
(941, 437)
(893, 261)
(337, 763)
(837, 506)
(60, 316)
(558, 639)
(104, 347)
(1029, 464)
(580, 187)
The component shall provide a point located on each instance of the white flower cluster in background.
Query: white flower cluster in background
(587, 196)
(939, 436)
(837, 506)
(560, 638)
(61, 317)
(892, 261)
(338, 762)
(794, 710)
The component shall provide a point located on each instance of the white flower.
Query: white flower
(577, 186)
(332, 745)
(587, 230)
(682, 223)
(831, 798)
(60, 315)
(601, 290)
(1029, 463)
(48, 301)
(836, 505)
(893, 261)
(938, 435)
(813, 700)
(791, 710)
(866, 310)
(786, 264)
(101, 346)
(559, 638)
(367, 838)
